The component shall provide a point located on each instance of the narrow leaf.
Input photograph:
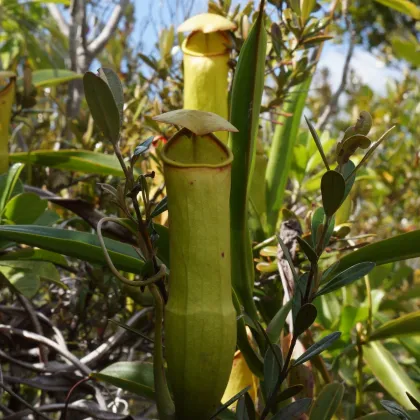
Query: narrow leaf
(53, 77)
(318, 143)
(317, 219)
(317, 348)
(305, 318)
(281, 153)
(327, 402)
(72, 160)
(82, 245)
(230, 402)
(307, 249)
(289, 392)
(404, 6)
(276, 325)
(398, 248)
(293, 411)
(390, 374)
(332, 189)
(102, 106)
(346, 277)
(408, 324)
(8, 183)
(246, 96)
(161, 207)
(136, 377)
(116, 87)
(271, 369)
(394, 409)
(143, 147)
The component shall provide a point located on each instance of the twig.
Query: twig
(97, 44)
(21, 400)
(43, 351)
(43, 340)
(114, 340)
(25, 365)
(331, 107)
(66, 404)
(79, 406)
(59, 336)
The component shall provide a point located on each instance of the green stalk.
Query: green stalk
(281, 154)
(247, 90)
(200, 321)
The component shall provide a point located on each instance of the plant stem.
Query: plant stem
(369, 299)
(359, 380)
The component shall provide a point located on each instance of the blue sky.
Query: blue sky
(366, 66)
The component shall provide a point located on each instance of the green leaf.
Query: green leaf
(23, 282)
(82, 245)
(307, 249)
(389, 373)
(398, 248)
(346, 277)
(161, 207)
(348, 171)
(327, 402)
(394, 409)
(405, 325)
(305, 318)
(306, 7)
(332, 189)
(293, 410)
(281, 153)
(36, 255)
(25, 208)
(406, 48)
(252, 358)
(317, 348)
(330, 231)
(230, 402)
(276, 325)
(247, 90)
(116, 87)
(289, 392)
(162, 243)
(136, 377)
(317, 219)
(245, 409)
(403, 6)
(143, 147)
(8, 183)
(271, 369)
(51, 77)
(72, 160)
(318, 143)
(103, 106)
(25, 276)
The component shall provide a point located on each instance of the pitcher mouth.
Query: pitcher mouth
(221, 52)
(196, 156)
